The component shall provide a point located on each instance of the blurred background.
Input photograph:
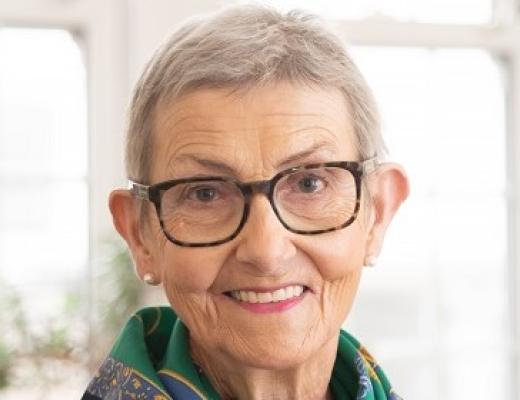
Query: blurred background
(441, 311)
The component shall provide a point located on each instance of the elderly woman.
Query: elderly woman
(257, 194)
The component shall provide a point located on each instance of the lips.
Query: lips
(265, 296)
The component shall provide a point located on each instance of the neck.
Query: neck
(233, 380)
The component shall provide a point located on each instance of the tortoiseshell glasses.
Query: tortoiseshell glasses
(208, 211)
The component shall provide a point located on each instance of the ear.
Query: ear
(388, 187)
(125, 217)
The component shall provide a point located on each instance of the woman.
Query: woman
(257, 195)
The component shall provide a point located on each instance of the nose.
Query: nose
(264, 245)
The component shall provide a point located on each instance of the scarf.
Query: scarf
(150, 360)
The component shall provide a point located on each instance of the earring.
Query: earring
(149, 279)
(370, 261)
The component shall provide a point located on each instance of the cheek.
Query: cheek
(340, 254)
(188, 276)
(182, 269)
(339, 259)
(190, 270)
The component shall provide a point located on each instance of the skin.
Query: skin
(284, 355)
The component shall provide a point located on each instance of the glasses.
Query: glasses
(208, 211)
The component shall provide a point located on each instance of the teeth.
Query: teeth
(250, 297)
(278, 294)
(268, 297)
(264, 297)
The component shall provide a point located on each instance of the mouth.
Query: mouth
(264, 296)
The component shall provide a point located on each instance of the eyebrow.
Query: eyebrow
(229, 170)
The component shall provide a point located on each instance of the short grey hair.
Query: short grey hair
(241, 47)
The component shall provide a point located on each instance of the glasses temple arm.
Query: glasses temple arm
(369, 166)
(139, 190)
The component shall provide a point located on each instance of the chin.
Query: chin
(274, 355)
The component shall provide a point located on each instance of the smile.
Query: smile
(278, 295)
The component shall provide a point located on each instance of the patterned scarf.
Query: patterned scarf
(150, 360)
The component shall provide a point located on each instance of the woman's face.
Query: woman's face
(257, 134)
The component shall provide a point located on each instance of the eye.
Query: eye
(310, 184)
(204, 194)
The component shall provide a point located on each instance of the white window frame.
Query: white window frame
(101, 28)
(502, 39)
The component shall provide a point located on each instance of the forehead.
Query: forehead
(255, 132)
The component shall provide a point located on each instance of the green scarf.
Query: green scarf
(150, 360)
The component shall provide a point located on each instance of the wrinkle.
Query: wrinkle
(258, 356)
(237, 160)
(184, 143)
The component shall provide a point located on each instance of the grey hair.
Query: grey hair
(241, 47)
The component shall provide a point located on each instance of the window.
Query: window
(44, 196)
(437, 306)
(436, 311)
(63, 93)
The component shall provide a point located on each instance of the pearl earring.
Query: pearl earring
(370, 261)
(149, 279)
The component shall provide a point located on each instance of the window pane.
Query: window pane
(42, 104)
(51, 218)
(43, 206)
(432, 11)
(439, 293)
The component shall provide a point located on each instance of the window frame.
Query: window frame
(100, 31)
(501, 38)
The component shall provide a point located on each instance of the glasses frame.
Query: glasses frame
(154, 193)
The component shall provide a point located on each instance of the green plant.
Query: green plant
(13, 322)
(121, 292)
(21, 344)
(118, 294)
(5, 366)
